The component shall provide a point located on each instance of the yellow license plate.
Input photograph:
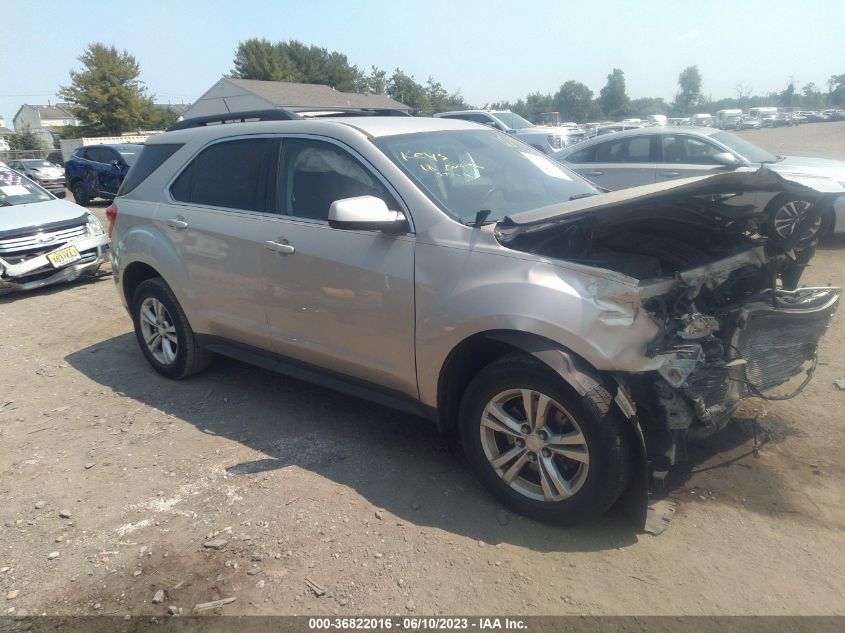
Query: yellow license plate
(64, 256)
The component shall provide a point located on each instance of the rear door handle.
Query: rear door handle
(595, 172)
(176, 223)
(279, 247)
(669, 174)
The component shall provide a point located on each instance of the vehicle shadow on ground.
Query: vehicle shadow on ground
(396, 461)
(835, 242)
(724, 467)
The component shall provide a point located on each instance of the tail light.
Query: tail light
(111, 216)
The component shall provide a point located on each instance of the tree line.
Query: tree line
(108, 97)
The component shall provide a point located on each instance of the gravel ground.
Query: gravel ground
(118, 484)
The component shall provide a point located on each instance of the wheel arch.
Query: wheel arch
(482, 348)
(133, 275)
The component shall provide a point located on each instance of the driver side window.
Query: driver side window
(313, 174)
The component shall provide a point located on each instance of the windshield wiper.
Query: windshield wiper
(480, 217)
(578, 196)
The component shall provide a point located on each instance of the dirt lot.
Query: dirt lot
(369, 504)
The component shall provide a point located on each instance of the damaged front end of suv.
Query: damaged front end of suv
(721, 295)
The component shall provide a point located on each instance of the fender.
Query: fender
(635, 502)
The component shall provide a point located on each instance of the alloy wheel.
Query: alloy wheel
(534, 444)
(787, 217)
(158, 331)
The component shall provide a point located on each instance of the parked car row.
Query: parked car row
(661, 154)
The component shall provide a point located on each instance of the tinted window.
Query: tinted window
(100, 154)
(678, 148)
(128, 155)
(636, 149)
(475, 118)
(586, 155)
(313, 174)
(150, 159)
(231, 174)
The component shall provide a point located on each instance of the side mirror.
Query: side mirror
(116, 163)
(365, 213)
(727, 159)
(60, 194)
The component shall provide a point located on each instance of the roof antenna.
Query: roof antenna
(480, 217)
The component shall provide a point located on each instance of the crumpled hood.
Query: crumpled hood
(23, 216)
(811, 166)
(737, 181)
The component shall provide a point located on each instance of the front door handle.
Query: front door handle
(176, 223)
(595, 172)
(669, 174)
(279, 247)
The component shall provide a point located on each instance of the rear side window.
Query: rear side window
(231, 174)
(100, 154)
(586, 155)
(150, 159)
(636, 149)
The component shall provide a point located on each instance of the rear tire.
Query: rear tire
(572, 466)
(163, 332)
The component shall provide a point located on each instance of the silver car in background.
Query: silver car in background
(44, 240)
(574, 340)
(45, 173)
(658, 154)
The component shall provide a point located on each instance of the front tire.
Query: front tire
(542, 450)
(786, 212)
(80, 195)
(163, 332)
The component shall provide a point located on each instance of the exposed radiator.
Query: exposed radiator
(777, 342)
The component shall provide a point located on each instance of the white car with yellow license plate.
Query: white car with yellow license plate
(44, 240)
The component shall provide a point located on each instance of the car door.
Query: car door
(686, 156)
(617, 163)
(214, 221)
(338, 299)
(112, 172)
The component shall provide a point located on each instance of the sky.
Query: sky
(489, 51)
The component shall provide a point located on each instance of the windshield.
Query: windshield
(129, 155)
(749, 151)
(466, 171)
(17, 189)
(37, 164)
(511, 120)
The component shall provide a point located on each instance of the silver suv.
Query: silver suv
(574, 339)
(549, 140)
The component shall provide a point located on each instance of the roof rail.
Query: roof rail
(278, 114)
(343, 112)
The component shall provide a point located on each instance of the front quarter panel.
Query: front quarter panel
(466, 291)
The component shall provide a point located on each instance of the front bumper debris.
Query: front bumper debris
(37, 272)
